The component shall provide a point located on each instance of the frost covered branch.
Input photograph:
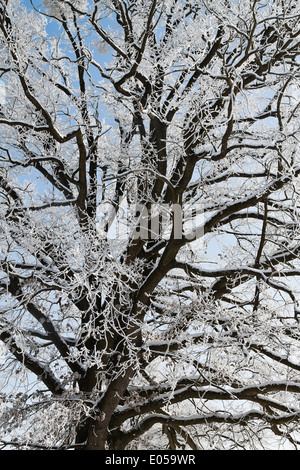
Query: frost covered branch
(149, 229)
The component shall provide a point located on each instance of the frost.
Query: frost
(149, 205)
(59, 8)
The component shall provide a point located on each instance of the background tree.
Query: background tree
(119, 119)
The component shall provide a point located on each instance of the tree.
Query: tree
(149, 224)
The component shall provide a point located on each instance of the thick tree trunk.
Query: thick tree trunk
(99, 427)
(92, 434)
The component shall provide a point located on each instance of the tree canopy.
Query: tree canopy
(149, 233)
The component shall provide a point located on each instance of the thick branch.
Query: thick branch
(40, 370)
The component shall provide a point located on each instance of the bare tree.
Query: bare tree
(149, 206)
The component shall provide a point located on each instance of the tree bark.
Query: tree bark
(99, 425)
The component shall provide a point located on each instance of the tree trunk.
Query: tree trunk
(99, 426)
